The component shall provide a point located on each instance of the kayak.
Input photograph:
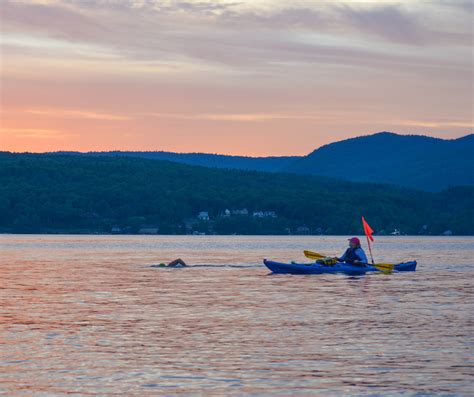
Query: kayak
(345, 268)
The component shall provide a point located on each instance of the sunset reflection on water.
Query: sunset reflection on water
(87, 315)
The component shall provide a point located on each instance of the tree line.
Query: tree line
(41, 193)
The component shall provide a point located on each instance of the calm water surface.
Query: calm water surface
(86, 315)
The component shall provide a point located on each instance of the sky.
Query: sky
(247, 77)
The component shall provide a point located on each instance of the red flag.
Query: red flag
(367, 230)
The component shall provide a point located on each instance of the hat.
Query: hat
(354, 240)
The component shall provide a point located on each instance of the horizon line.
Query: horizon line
(238, 155)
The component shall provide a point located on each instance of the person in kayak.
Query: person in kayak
(354, 255)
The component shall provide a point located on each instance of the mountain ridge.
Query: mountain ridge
(415, 161)
(211, 160)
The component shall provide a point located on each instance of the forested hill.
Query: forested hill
(266, 164)
(52, 193)
(415, 161)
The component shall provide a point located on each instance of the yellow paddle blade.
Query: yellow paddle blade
(313, 255)
(388, 267)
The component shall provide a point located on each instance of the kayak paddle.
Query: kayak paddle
(384, 267)
(313, 255)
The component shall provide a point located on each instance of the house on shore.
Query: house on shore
(264, 214)
(203, 216)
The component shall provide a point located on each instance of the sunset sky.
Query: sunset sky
(259, 77)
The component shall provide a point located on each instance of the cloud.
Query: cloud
(393, 23)
(434, 124)
(467, 6)
(387, 21)
(240, 34)
(37, 133)
(79, 114)
(52, 18)
(240, 117)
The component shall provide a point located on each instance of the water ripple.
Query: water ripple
(87, 315)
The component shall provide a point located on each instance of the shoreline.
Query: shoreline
(225, 235)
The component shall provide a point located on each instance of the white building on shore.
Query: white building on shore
(264, 214)
(203, 216)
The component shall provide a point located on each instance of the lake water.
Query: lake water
(87, 315)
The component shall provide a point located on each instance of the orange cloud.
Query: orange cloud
(435, 124)
(81, 114)
(37, 133)
(244, 117)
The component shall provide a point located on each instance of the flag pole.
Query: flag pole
(370, 249)
(368, 234)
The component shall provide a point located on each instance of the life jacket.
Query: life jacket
(351, 256)
(327, 261)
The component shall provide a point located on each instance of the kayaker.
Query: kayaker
(354, 255)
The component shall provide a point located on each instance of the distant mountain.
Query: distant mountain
(407, 160)
(265, 164)
(415, 161)
(43, 193)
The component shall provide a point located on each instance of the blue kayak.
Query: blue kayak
(345, 268)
